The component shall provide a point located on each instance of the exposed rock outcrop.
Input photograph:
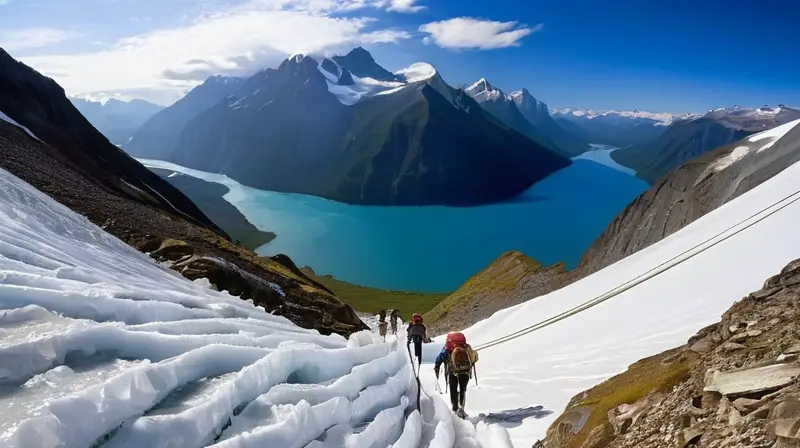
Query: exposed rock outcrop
(717, 398)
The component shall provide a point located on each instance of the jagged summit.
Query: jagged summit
(483, 90)
(360, 63)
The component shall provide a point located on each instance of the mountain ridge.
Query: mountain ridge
(313, 127)
(686, 139)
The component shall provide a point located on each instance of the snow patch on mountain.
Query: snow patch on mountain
(10, 120)
(350, 94)
(483, 91)
(661, 118)
(742, 151)
(417, 72)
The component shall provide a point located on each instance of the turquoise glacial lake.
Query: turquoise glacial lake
(434, 248)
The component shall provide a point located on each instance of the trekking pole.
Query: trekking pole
(475, 372)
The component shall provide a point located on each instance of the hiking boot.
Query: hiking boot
(455, 408)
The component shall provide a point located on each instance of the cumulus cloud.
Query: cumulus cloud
(470, 33)
(405, 6)
(26, 39)
(164, 64)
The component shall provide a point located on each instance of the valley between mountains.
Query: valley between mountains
(208, 273)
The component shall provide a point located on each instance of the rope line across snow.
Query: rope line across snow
(661, 268)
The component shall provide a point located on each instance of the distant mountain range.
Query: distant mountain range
(116, 119)
(345, 128)
(521, 111)
(611, 127)
(686, 139)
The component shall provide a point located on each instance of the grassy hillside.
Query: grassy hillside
(372, 300)
(505, 282)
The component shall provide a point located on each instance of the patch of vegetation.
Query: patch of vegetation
(372, 300)
(501, 275)
(658, 373)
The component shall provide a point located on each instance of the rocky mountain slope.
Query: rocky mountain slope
(734, 384)
(314, 127)
(159, 136)
(538, 113)
(686, 139)
(504, 108)
(689, 192)
(208, 197)
(62, 155)
(117, 120)
(612, 127)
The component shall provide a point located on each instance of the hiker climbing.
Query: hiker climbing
(417, 333)
(382, 324)
(459, 364)
(393, 321)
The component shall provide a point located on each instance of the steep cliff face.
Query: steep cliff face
(40, 104)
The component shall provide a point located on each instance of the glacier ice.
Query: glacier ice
(100, 345)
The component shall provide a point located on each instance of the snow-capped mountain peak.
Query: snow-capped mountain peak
(752, 119)
(661, 118)
(482, 90)
(350, 89)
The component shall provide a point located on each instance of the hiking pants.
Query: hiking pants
(417, 340)
(458, 389)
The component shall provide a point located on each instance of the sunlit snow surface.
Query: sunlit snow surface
(549, 366)
(100, 346)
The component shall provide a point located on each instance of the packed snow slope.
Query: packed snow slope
(100, 346)
(710, 264)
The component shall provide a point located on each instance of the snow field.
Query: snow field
(99, 345)
(551, 365)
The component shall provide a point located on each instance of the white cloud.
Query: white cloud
(162, 65)
(25, 39)
(405, 6)
(469, 33)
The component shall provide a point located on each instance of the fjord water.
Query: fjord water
(434, 248)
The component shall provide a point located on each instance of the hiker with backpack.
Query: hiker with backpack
(382, 324)
(417, 332)
(393, 321)
(459, 361)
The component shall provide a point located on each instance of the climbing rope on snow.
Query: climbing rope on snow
(416, 376)
(661, 268)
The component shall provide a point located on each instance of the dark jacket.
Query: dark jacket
(417, 330)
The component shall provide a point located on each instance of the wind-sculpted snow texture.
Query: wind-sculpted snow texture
(100, 346)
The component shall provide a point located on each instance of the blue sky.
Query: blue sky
(680, 56)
